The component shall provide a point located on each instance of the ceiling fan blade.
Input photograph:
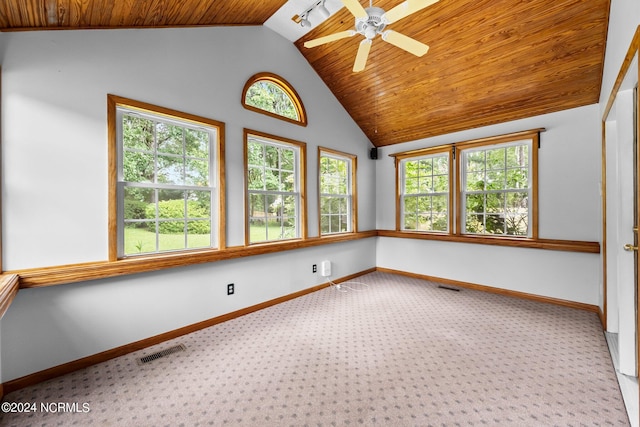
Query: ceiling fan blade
(329, 38)
(404, 42)
(361, 57)
(355, 8)
(406, 8)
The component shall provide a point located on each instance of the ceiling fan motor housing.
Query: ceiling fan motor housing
(373, 24)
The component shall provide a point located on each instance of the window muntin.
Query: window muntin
(497, 189)
(336, 176)
(425, 193)
(274, 183)
(166, 187)
(270, 94)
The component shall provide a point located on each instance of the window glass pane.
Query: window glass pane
(496, 159)
(287, 159)
(272, 179)
(270, 97)
(411, 185)
(411, 169)
(197, 143)
(255, 178)
(287, 181)
(199, 234)
(255, 153)
(425, 184)
(139, 237)
(272, 157)
(170, 170)
(137, 133)
(197, 172)
(441, 183)
(172, 235)
(475, 161)
(475, 202)
(475, 181)
(517, 178)
(169, 138)
(138, 167)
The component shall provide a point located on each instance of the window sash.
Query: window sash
(342, 221)
(273, 221)
(499, 214)
(197, 232)
(429, 183)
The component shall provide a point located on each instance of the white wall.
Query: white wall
(54, 192)
(569, 205)
(624, 18)
(54, 110)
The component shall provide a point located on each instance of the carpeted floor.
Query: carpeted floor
(400, 352)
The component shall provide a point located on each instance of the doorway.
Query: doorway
(621, 234)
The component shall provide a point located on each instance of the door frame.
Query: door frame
(632, 52)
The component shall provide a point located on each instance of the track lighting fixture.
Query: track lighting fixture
(303, 18)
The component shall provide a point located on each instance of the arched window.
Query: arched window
(272, 95)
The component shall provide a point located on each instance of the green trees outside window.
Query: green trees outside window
(166, 184)
(425, 198)
(335, 176)
(485, 187)
(273, 189)
(496, 190)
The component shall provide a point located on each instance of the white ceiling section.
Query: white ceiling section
(281, 21)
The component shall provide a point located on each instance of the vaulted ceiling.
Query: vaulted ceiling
(489, 61)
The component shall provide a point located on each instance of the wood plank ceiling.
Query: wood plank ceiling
(490, 61)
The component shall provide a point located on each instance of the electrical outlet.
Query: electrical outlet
(230, 289)
(314, 268)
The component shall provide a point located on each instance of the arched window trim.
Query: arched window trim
(286, 87)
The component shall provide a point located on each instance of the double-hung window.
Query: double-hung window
(425, 196)
(167, 188)
(496, 193)
(336, 175)
(275, 188)
(484, 187)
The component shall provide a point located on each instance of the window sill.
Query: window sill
(8, 290)
(548, 244)
(56, 275)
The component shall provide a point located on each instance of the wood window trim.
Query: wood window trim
(113, 102)
(74, 273)
(354, 189)
(532, 134)
(286, 87)
(302, 147)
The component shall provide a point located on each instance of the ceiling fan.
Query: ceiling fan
(373, 21)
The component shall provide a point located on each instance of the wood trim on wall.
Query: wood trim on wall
(548, 244)
(9, 285)
(499, 291)
(84, 362)
(72, 273)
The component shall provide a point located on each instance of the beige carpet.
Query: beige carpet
(401, 352)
